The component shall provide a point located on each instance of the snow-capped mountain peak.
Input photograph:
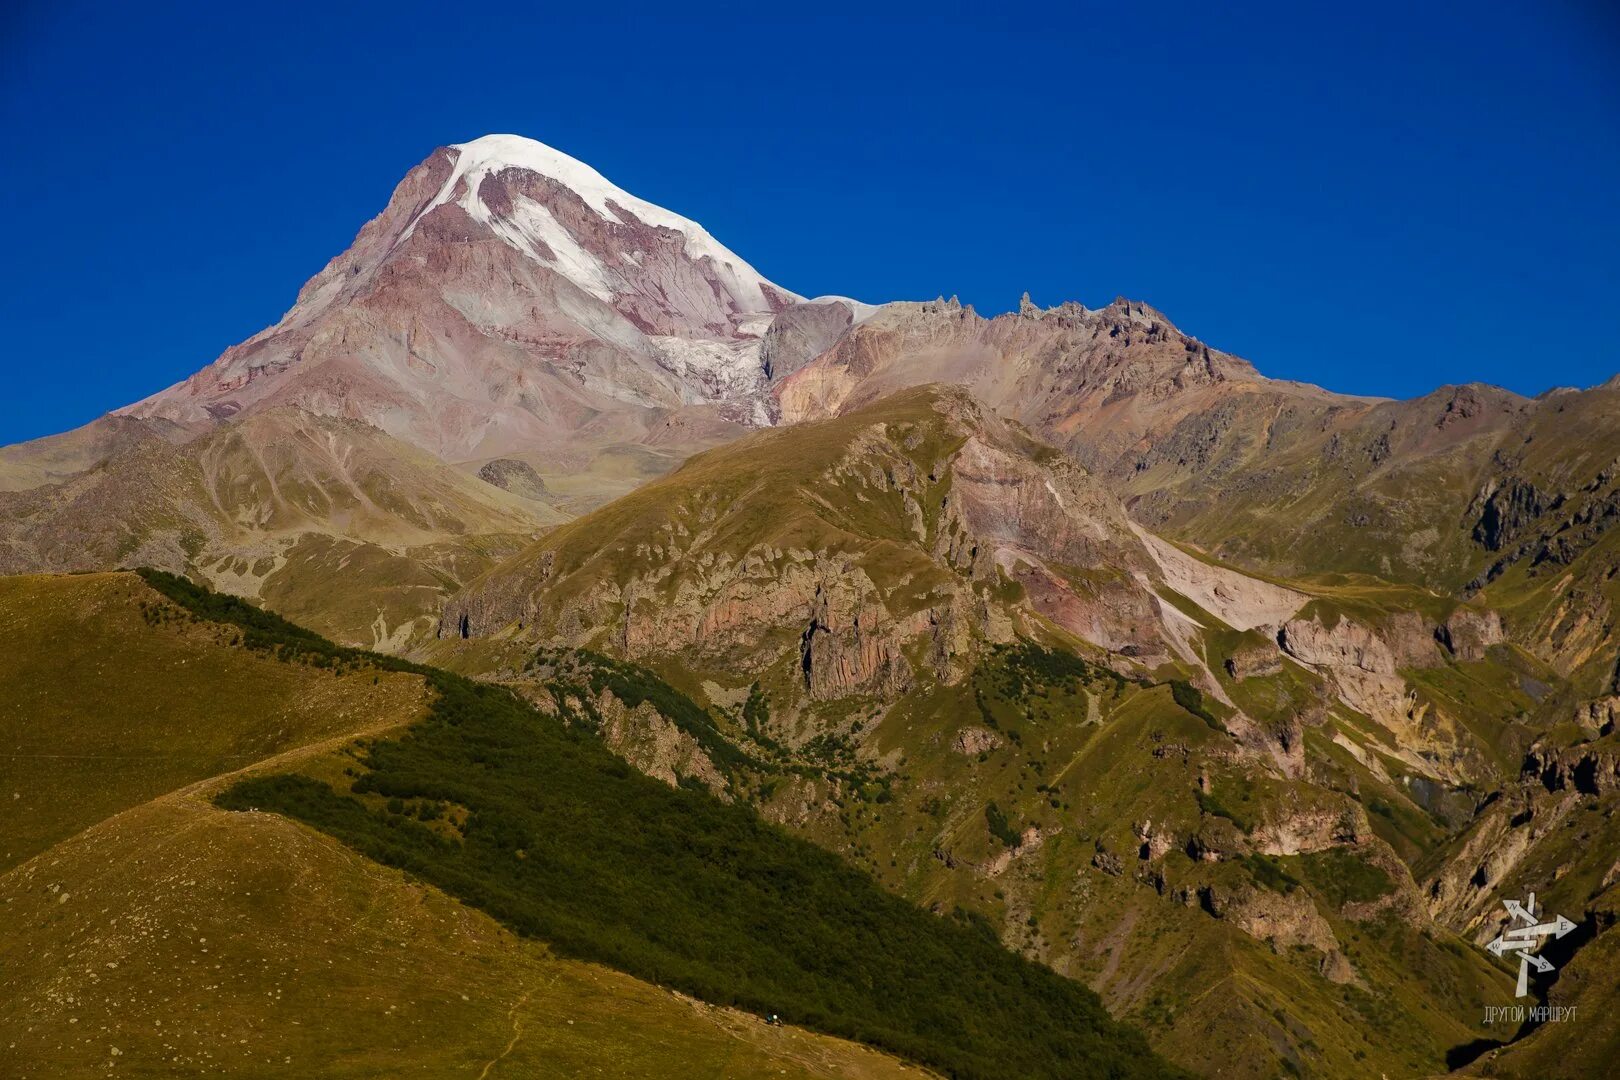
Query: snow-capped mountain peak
(511, 297)
(492, 153)
(535, 229)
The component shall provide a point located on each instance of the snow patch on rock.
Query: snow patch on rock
(530, 222)
(719, 369)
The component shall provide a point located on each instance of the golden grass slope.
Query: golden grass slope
(181, 940)
(164, 938)
(112, 697)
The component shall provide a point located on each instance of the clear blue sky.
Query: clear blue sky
(1379, 198)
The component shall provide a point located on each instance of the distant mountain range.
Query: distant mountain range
(1244, 702)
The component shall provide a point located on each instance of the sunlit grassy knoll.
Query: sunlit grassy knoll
(113, 696)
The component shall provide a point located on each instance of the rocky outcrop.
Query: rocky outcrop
(975, 740)
(517, 477)
(495, 603)
(1587, 768)
(1253, 659)
(1599, 717)
(1310, 829)
(1360, 667)
(1008, 515)
(1412, 638)
(848, 640)
(1107, 862)
(838, 656)
(1497, 844)
(1029, 841)
(655, 746)
(1286, 920)
(1003, 499)
(1509, 511)
(1469, 632)
(1337, 644)
(801, 333)
(1153, 843)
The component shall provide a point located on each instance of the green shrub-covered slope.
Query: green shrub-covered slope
(532, 819)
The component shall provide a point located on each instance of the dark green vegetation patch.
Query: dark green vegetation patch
(1343, 878)
(260, 629)
(563, 841)
(1000, 827)
(1189, 697)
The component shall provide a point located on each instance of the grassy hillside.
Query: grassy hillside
(196, 941)
(173, 938)
(1108, 828)
(534, 821)
(114, 695)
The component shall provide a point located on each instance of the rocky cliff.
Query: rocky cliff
(922, 523)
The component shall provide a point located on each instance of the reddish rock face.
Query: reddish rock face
(709, 575)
